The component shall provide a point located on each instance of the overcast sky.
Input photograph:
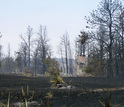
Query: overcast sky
(58, 15)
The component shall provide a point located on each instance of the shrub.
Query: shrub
(56, 79)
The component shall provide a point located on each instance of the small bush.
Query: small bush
(56, 79)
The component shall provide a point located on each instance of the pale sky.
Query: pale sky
(58, 15)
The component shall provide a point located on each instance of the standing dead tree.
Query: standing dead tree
(65, 53)
(26, 42)
(105, 15)
(43, 49)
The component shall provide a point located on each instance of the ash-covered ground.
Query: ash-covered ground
(88, 92)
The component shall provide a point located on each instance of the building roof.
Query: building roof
(81, 59)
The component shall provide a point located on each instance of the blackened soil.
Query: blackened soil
(84, 95)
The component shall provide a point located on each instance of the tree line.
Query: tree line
(104, 39)
(36, 54)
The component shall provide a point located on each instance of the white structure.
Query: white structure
(81, 61)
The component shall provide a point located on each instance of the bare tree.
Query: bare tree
(35, 60)
(18, 61)
(60, 51)
(23, 53)
(105, 16)
(43, 47)
(119, 42)
(65, 51)
(8, 64)
(71, 61)
(26, 45)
